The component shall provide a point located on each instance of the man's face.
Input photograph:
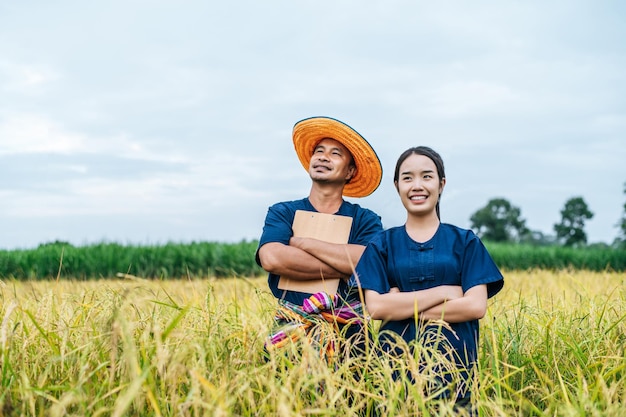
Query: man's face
(331, 162)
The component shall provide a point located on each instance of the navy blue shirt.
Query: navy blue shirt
(453, 256)
(365, 225)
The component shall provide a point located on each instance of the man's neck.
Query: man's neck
(326, 200)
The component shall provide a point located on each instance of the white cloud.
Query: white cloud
(31, 133)
(25, 78)
(122, 118)
(24, 133)
(462, 99)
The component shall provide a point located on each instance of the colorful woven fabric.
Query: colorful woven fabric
(317, 322)
(318, 302)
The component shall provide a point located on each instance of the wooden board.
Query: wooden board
(327, 227)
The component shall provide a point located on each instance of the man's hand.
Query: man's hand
(295, 263)
(341, 257)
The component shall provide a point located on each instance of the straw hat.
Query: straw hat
(309, 132)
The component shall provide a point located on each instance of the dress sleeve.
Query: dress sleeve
(479, 268)
(371, 271)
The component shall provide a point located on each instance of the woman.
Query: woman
(429, 281)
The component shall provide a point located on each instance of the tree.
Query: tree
(621, 225)
(499, 221)
(570, 230)
(538, 238)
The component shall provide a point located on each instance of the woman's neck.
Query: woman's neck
(422, 229)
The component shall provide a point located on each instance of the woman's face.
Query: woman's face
(419, 185)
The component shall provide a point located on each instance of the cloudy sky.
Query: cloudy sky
(143, 122)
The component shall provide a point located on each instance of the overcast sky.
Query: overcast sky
(144, 122)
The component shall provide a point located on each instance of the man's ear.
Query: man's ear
(351, 173)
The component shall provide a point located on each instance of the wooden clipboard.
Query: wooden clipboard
(327, 227)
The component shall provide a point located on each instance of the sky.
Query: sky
(147, 122)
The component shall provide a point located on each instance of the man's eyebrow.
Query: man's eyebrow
(336, 148)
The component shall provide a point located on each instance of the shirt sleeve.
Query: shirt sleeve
(366, 228)
(277, 227)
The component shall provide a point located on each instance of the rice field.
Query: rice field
(552, 344)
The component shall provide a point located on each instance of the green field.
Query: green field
(552, 344)
(213, 259)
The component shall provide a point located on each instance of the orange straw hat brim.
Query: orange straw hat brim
(309, 132)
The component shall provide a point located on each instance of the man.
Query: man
(340, 163)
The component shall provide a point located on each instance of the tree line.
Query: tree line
(501, 221)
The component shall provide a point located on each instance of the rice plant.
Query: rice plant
(552, 344)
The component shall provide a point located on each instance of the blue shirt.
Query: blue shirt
(453, 256)
(365, 225)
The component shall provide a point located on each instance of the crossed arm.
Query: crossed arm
(446, 302)
(308, 258)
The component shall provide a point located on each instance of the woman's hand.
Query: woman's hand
(398, 305)
(471, 306)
